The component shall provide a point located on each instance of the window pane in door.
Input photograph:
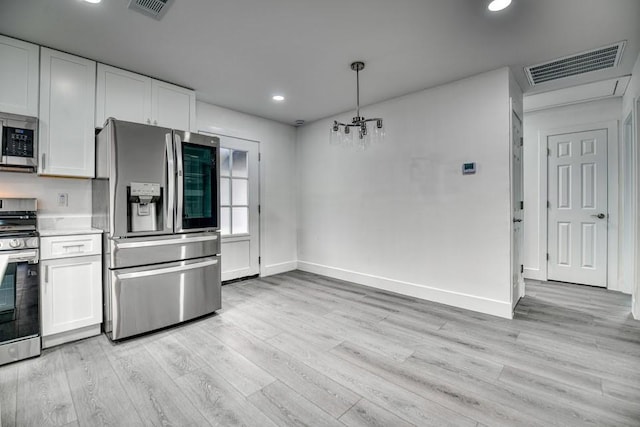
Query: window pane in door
(225, 161)
(225, 198)
(240, 221)
(225, 221)
(240, 164)
(239, 192)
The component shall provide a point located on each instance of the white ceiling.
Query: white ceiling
(238, 53)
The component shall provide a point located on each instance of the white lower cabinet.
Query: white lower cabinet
(71, 290)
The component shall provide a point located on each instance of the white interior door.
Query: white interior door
(578, 214)
(239, 207)
(517, 204)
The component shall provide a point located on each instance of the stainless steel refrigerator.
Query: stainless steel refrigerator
(156, 197)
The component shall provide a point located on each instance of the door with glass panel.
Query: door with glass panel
(197, 195)
(239, 207)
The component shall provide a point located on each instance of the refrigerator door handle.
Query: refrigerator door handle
(152, 243)
(155, 272)
(171, 182)
(180, 183)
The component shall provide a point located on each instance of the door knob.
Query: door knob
(517, 220)
(599, 216)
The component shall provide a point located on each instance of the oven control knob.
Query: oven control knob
(14, 243)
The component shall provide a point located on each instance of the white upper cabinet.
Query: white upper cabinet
(173, 106)
(136, 98)
(19, 70)
(123, 95)
(67, 114)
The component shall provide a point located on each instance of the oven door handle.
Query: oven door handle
(23, 256)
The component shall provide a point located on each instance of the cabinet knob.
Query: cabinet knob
(148, 121)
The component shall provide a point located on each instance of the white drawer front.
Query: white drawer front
(70, 246)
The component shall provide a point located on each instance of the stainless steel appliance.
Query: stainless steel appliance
(156, 196)
(19, 284)
(19, 143)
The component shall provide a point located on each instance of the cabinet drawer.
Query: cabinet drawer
(70, 246)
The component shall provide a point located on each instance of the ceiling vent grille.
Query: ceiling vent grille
(153, 8)
(602, 58)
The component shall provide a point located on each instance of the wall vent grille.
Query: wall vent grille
(602, 58)
(153, 8)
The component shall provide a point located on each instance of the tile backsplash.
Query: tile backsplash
(46, 190)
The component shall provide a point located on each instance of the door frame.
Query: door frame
(261, 268)
(514, 203)
(627, 259)
(635, 300)
(612, 198)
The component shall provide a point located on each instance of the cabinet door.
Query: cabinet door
(123, 95)
(71, 291)
(19, 70)
(173, 106)
(67, 107)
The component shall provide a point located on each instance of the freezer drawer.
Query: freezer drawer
(155, 250)
(143, 299)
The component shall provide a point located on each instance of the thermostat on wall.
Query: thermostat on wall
(469, 168)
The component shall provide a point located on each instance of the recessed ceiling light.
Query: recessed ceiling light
(278, 98)
(93, 1)
(497, 5)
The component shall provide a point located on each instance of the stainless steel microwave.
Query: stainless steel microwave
(19, 143)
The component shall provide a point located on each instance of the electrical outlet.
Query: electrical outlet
(63, 199)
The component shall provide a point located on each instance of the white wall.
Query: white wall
(76, 214)
(630, 102)
(401, 216)
(537, 126)
(277, 179)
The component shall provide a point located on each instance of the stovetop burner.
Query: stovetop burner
(18, 223)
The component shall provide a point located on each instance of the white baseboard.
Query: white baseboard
(283, 267)
(456, 299)
(534, 274)
(76, 334)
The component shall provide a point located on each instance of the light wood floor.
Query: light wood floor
(300, 349)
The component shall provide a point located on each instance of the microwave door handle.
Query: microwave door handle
(179, 167)
(171, 182)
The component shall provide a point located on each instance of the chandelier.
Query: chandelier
(358, 133)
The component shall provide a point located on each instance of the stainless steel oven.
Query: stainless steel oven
(19, 143)
(19, 284)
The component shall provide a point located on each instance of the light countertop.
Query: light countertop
(68, 231)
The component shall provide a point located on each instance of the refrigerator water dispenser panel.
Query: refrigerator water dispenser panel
(144, 199)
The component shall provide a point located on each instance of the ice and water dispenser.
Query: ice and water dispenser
(145, 206)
